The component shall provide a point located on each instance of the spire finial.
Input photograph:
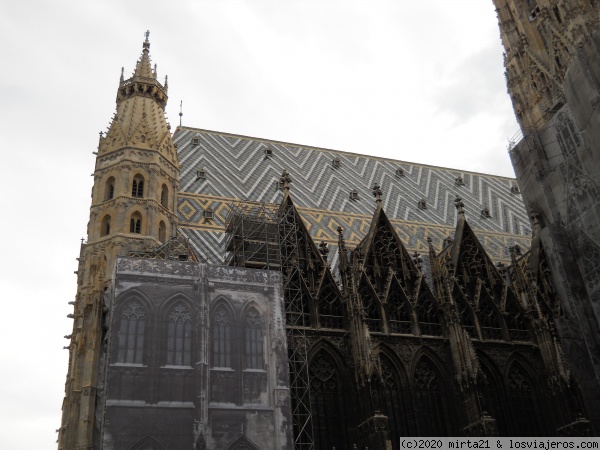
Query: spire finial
(460, 206)
(377, 192)
(180, 111)
(146, 45)
(122, 75)
(285, 180)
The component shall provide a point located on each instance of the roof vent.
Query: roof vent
(422, 203)
(400, 172)
(278, 185)
(268, 152)
(195, 141)
(459, 181)
(353, 194)
(485, 212)
(201, 174)
(514, 189)
(336, 163)
(209, 214)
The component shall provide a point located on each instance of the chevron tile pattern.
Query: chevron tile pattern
(238, 167)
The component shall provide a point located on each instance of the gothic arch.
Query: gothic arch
(138, 185)
(147, 443)
(109, 189)
(526, 412)
(134, 317)
(105, 228)
(491, 385)
(178, 316)
(242, 443)
(393, 394)
(328, 396)
(222, 321)
(432, 396)
(254, 337)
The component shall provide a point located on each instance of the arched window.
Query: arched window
(179, 336)
(567, 135)
(137, 187)
(326, 401)
(524, 412)
(135, 224)
(254, 339)
(221, 349)
(105, 226)
(431, 401)
(393, 401)
(492, 388)
(130, 347)
(399, 314)
(164, 196)
(109, 190)
(331, 313)
(162, 231)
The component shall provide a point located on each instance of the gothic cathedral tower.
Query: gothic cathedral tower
(133, 210)
(552, 61)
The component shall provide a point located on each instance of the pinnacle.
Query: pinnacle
(143, 67)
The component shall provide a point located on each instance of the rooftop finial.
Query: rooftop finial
(147, 41)
(180, 111)
(460, 206)
(285, 180)
(377, 192)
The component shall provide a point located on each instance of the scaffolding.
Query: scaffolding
(253, 230)
(266, 236)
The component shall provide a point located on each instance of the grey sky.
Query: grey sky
(417, 81)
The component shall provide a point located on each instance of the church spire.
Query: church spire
(143, 67)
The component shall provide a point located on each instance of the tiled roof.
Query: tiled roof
(239, 167)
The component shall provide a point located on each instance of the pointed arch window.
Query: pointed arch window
(135, 223)
(326, 401)
(490, 320)
(137, 186)
(132, 325)
(330, 308)
(371, 306)
(221, 348)
(567, 135)
(254, 339)
(428, 316)
(109, 190)
(393, 401)
(523, 405)
(431, 402)
(162, 231)
(179, 336)
(492, 388)
(164, 196)
(399, 314)
(105, 226)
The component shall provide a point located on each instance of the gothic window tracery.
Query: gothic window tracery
(393, 399)
(431, 403)
(516, 321)
(567, 135)
(492, 389)
(327, 400)
(330, 308)
(179, 336)
(428, 316)
(130, 347)
(221, 348)
(135, 223)
(489, 319)
(254, 339)
(371, 307)
(137, 186)
(525, 414)
(399, 314)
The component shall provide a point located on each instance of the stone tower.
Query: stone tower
(133, 210)
(552, 60)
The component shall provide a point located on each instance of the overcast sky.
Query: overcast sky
(411, 80)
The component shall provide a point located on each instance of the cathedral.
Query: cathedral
(237, 292)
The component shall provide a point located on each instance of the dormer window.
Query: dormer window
(353, 194)
(336, 163)
(195, 141)
(399, 172)
(209, 214)
(459, 181)
(422, 203)
(201, 174)
(485, 212)
(278, 185)
(268, 152)
(515, 190)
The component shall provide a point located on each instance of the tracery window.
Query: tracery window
(393, 401)
(489, 319)
(330, 309)
(135, 223)
(399, 314)
(567, 135)
(130, 346)
(326, 401)
(492, 388)
(179, 336)
(428, 317)
(221, 349)
(371, 307)
(109, 191)
(137, 186)
(525, 415)
(431, 405)
(254, 339)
